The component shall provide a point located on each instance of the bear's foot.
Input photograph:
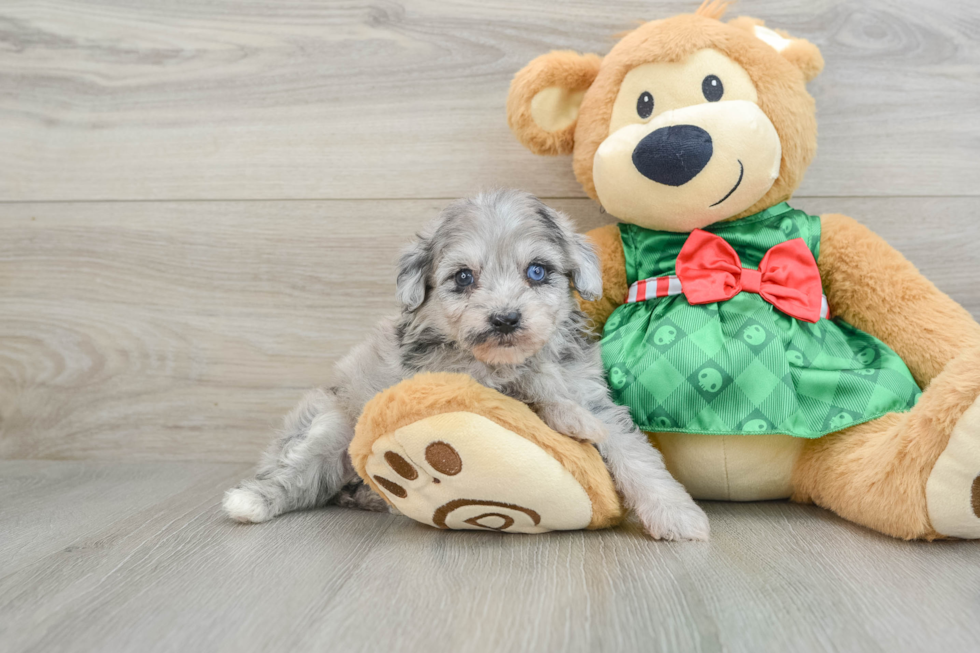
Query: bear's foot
(463, 471)
(452, 454)
(953, 488)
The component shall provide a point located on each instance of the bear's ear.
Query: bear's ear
(799, 52)
(544, 98)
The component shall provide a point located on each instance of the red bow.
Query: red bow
(788, 277)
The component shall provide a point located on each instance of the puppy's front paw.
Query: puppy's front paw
(573, 421)
(246, 506)
(673, 521)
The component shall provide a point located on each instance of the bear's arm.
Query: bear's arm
(612, 261)
(877, 290)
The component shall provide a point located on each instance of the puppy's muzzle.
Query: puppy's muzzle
(673, 155)
(505, 323)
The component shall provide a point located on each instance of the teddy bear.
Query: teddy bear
(767, 353)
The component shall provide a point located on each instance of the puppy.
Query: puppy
(486, 291)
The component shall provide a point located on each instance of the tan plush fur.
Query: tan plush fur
(428, 394)
(712, 9)
(876, 289)
(564, 69)
(874, 473)
(800, 52)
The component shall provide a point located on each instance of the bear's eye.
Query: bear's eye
(464, 278)
(712, 88)
(644, 105)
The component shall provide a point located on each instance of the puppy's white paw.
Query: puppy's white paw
(573, 420)
(673, 521)
(246, 506)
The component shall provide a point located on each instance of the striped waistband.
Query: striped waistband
(657, 287)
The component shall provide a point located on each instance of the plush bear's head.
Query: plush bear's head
(686, 122)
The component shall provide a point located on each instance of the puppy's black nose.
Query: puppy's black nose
(673, 155)
(505, 322)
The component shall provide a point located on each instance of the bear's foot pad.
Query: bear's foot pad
(460, 470)
(953, 488)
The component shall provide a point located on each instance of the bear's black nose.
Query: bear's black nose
(505, 322)
(673, 155)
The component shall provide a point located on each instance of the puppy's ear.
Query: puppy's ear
(582, 263)
(587, 274)
(414, 267)
(544, 99)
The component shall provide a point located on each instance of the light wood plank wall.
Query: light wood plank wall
(200, 203)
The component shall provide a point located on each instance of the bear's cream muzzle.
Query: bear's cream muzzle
(689, 167)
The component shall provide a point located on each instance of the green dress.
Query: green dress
(742, 366)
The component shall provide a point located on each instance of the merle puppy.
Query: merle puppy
(486, 290)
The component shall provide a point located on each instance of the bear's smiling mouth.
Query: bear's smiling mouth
(741, 173)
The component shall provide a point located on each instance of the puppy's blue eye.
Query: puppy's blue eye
(464, 278)
(536, 272)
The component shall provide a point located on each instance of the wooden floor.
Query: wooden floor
(136, 557)
(200, 206)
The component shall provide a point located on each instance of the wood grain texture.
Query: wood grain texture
(185, 330)
(175, 575)
(135, 335)
(232, 99)
(63, 508)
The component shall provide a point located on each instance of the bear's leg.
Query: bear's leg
(451, 453)
(910, 475)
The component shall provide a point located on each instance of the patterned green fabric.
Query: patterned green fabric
(741, 366)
